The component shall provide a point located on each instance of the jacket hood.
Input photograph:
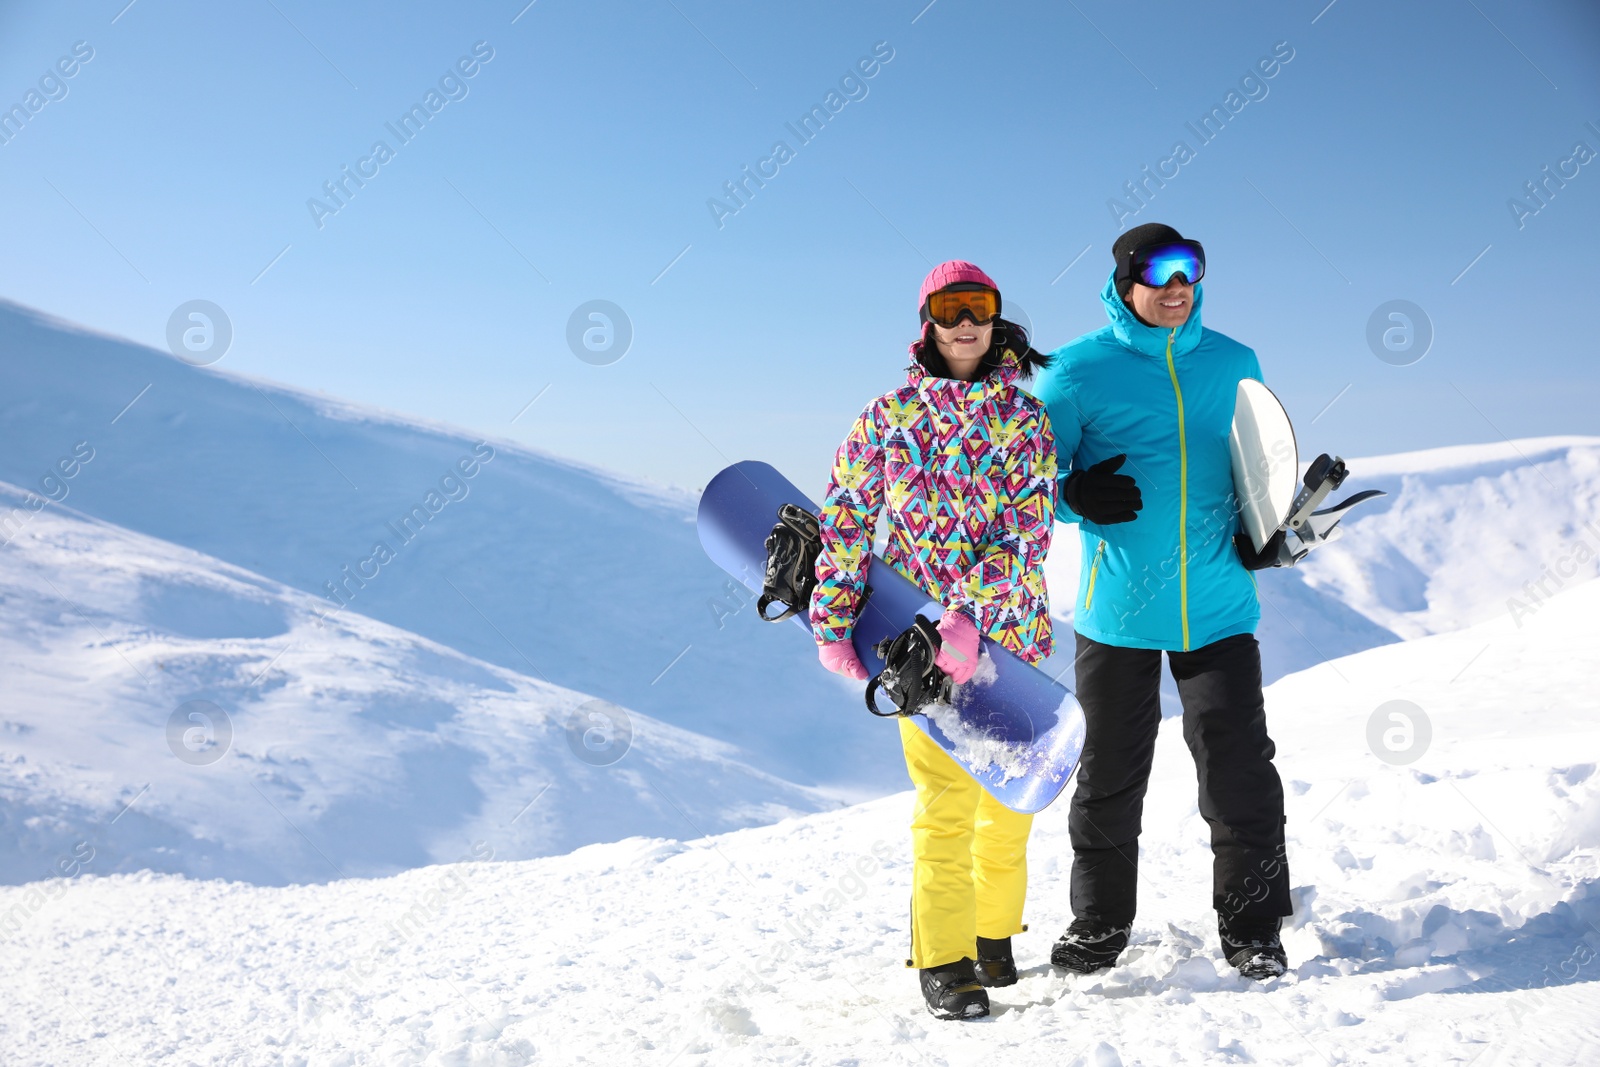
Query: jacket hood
(1150, 340)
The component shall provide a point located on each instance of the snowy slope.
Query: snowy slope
(1449, 912)
(356, 748)
(512, 571)
(534, 563)
(1467, 533)
(550, 568)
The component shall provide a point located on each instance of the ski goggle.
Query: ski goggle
(947, 306)
(1159, 264)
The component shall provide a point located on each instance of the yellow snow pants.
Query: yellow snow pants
(970, 858)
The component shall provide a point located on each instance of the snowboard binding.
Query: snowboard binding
(1309, 526)
(792, 549)
(909, 677)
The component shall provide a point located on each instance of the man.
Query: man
(1142, 411)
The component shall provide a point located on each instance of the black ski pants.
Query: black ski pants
(1241, 798)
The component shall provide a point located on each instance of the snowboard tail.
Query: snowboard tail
(1018, 733)
(1265, 456)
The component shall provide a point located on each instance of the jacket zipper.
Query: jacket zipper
(1183, 497)
(1094, 571)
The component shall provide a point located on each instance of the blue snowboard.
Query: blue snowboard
(1014, 730)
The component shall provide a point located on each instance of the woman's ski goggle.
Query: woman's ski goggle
(1159, 264)
(947, 306)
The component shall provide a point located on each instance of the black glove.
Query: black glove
(1256, 561)
(1103, 496)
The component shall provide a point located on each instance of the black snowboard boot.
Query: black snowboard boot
(1089, 946)
(952, 991)
(996, 966)
(1252, 945)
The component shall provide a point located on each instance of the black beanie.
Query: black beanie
(1130, 242)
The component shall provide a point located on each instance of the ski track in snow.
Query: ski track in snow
(1448, 911)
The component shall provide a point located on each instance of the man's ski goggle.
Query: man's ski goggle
(947, 306)
(1159, 264)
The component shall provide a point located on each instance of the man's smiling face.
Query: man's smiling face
(1166, 307)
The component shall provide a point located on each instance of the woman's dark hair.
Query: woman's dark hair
(1007, 334)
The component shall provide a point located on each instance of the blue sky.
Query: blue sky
(576, 164)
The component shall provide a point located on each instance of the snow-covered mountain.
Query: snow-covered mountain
(1448, 911)
(169, 711)
(1467, 533)
(534, 563)
(548, 567)
(202, 516)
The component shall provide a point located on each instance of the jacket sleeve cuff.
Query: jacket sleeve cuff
(830, 632)
(960, 601)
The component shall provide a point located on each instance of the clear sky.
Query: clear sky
(577, 160)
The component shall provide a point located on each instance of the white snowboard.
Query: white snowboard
(1266, 463)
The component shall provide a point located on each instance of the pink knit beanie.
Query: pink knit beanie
(951, 273)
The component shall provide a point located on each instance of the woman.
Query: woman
(966, 464)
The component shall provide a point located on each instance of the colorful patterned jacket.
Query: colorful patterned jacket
(968, 470)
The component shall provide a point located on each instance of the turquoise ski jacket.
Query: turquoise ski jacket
(1170, 579)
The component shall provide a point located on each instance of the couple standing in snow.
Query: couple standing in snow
(1126, 433)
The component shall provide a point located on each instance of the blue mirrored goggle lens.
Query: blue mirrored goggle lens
(1158, 266)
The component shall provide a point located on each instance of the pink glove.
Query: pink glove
(840, 658)
(958, 653)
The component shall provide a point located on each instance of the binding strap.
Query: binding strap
(909, 677)
(792, 549)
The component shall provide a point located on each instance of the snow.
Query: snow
(1447, 913)
(974, 745)
(544, 566)
(1465, 534)
(544, 792)
(356, 748)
